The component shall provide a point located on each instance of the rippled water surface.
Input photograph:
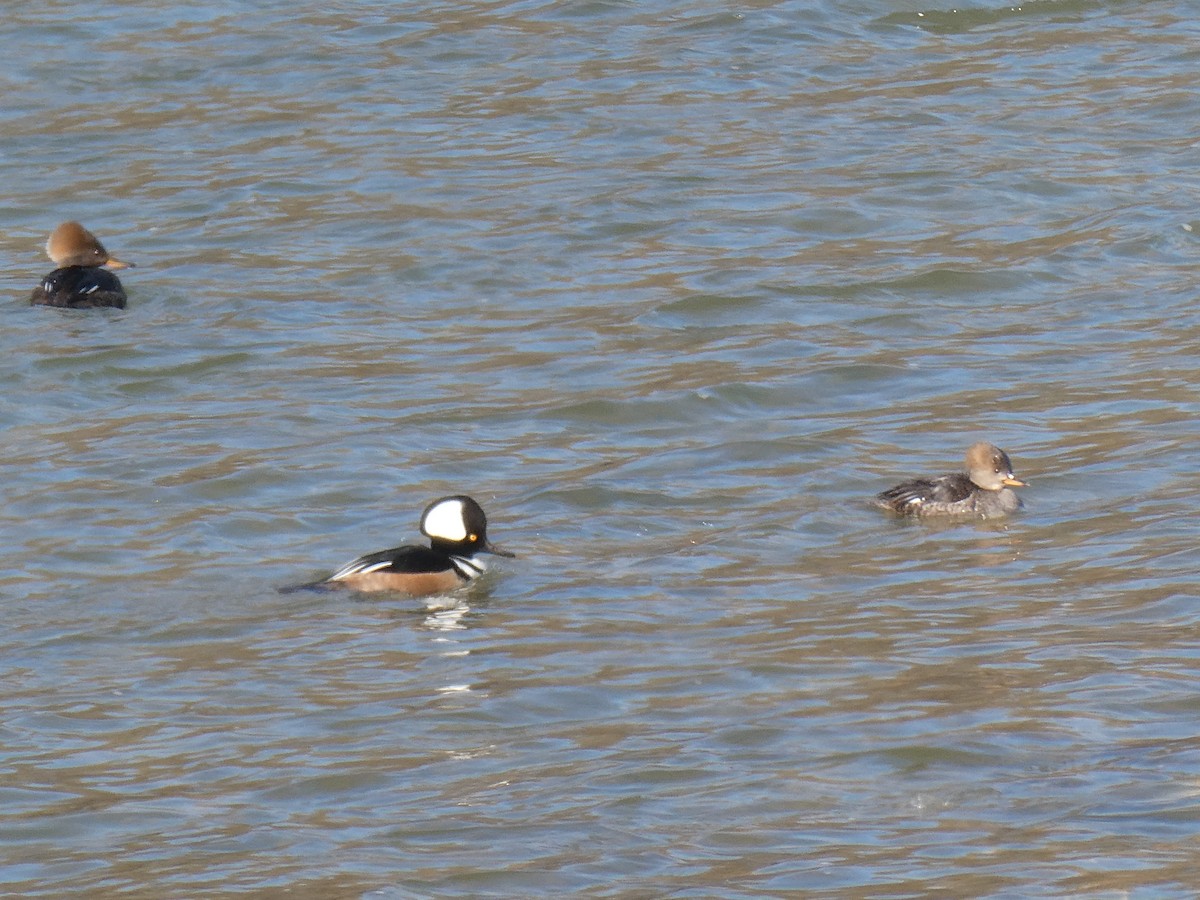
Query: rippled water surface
(672, 289)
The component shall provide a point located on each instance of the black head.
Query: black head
(458, 524)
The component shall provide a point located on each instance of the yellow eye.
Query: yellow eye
(472, 537)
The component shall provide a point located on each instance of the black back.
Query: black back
(411, 559)
(407, 560)
(947, 489)
(79, 287)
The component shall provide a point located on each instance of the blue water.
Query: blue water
(672, 291)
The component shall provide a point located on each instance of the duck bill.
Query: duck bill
(1015, 482)
(497, 551)
(114, 263)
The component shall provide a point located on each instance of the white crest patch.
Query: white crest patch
(445, 521)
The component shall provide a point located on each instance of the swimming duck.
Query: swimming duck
(981, 491)
(457, 532)
(82, 279)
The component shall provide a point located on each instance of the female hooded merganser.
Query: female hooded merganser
(79, 282)
(457, 531)
(980, 491)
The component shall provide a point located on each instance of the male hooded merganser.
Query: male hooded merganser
(980, 491)
(457, 531)
(79, 282)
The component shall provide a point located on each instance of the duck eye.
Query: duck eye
(472, 537)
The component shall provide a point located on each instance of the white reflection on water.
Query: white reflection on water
(447, 615)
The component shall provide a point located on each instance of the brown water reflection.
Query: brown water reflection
(673, 292)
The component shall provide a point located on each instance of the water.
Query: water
(672, 290)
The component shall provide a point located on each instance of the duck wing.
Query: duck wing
(79, 287)
(405, 560)
(909, 497)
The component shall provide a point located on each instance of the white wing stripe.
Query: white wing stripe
(357, 568)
